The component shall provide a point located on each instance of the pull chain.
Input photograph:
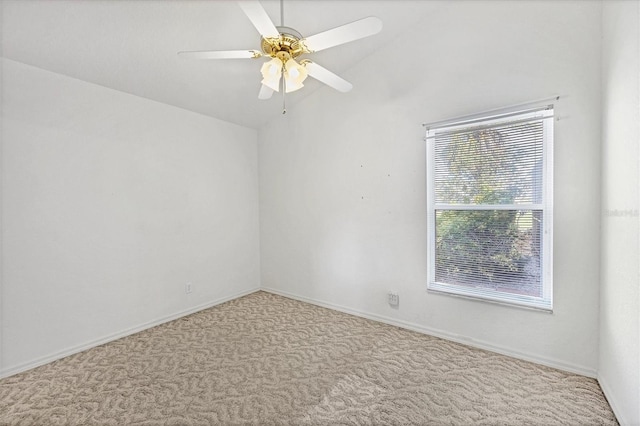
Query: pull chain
(284, 88)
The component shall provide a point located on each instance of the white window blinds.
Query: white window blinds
(489, 208)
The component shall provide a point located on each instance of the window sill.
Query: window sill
(483, 295)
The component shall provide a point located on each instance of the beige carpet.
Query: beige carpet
(266, 359)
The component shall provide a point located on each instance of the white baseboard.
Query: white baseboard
(115, 336)
(549, 362)
(609, 395)
(375, 317)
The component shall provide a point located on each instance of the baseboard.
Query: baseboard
(115, 336)
(375, 317)
(611, 400)
(549, 362)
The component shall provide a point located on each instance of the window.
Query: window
(489, 192)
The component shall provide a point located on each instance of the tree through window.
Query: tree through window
(489, 193)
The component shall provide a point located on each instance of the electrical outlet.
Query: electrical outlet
(394, 299)
(187, 288)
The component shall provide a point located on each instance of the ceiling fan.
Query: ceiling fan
(286, 70)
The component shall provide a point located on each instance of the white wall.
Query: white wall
(112, 203)
(1, 195)
(619, 366)
(342, 176)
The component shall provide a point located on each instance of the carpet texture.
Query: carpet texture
(266, 359)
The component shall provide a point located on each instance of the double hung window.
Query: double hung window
(489, 192)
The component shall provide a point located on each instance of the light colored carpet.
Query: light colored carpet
(266, 359)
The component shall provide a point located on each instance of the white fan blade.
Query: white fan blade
(259, 18)
(221, 54)
(343, 34)
(265, 92)
(327, 77)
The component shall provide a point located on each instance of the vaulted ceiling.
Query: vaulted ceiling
(131, 46)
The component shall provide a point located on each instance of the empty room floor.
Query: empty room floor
(267, 359)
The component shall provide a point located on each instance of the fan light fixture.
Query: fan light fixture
(271, 73)
(283, 45)
(295, 74)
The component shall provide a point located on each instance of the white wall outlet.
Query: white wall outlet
(394, 299)
(187, 288)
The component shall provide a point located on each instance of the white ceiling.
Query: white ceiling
(131, 45)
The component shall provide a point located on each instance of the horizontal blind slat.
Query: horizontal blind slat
(487, 188)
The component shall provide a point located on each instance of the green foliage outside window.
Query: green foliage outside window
(492, 247)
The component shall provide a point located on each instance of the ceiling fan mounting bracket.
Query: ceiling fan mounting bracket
(288, 45)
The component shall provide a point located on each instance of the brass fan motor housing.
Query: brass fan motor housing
(285, 47)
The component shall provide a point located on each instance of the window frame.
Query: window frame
(544, 303)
